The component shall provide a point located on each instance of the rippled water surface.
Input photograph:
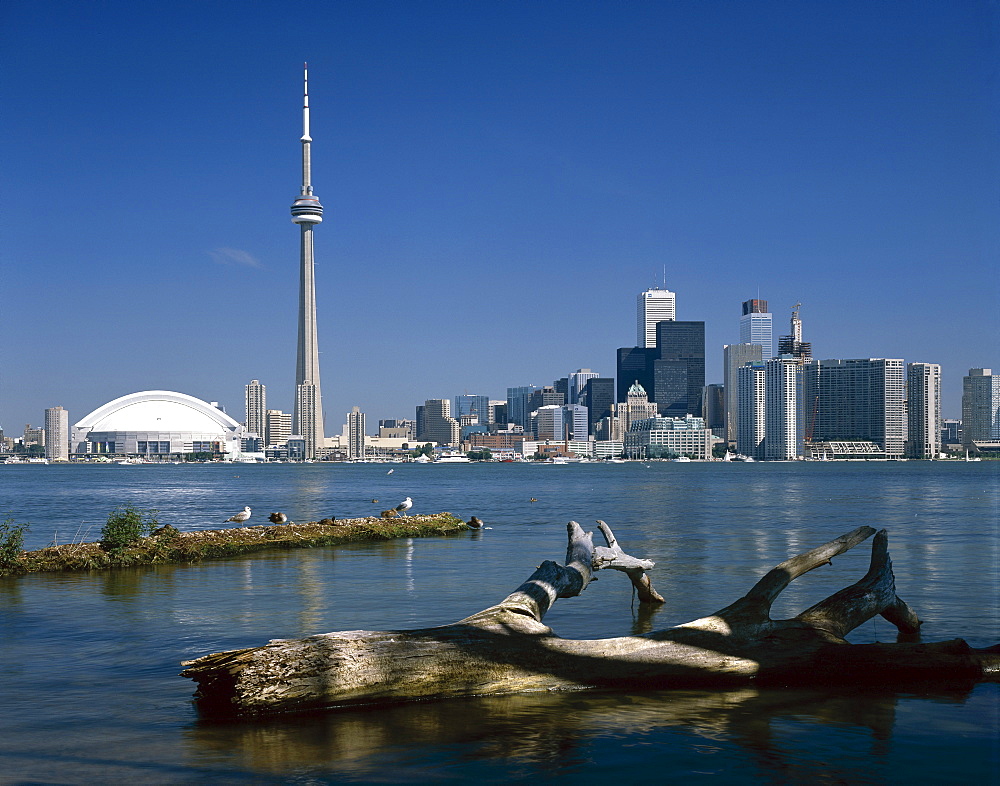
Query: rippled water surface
(89, 662)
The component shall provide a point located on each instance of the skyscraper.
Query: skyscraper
(577, 381)
(752, 403)
(517, 405)
(471, 405)
(279, 427)
(755, 326)
(923, 410)
(653, 305)
(256, 409)
(980, 407)
(56, 434)
(437, 424)
(355, 433)
(782, 420)
(599, 399)
(858, 400)
(679, 370)
(733, 357)
(307, 416)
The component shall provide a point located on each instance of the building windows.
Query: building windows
(152, 447)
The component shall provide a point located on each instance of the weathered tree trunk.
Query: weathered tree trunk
(507, 649)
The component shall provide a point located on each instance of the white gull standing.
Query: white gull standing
(242, 516)
(404, 506)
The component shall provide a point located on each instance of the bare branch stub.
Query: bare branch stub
(613, 557)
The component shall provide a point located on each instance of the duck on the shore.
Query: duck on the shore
(242, 516)
(278, 518)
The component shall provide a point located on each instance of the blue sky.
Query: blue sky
(500, 180)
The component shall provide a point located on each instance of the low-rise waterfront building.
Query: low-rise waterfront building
(669, 438)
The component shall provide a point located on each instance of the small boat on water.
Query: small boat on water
(453, 458)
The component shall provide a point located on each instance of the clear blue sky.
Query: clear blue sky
(500, 180)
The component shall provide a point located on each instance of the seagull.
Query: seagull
(277, 518)
(242, 516)
(390, 472)
(404, 506)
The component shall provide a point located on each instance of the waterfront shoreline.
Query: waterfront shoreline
(172, 546)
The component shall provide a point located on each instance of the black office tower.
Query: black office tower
(679, 368)
(635, 364)
(599, 399)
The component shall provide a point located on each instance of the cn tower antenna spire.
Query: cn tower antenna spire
(306, 139)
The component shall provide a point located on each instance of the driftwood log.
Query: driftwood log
(507, 649)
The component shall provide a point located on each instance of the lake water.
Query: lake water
(89, 662)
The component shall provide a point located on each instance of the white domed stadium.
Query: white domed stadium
(157, 424)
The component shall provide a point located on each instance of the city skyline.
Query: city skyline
(838, 157)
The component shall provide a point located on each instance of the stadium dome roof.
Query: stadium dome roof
(158, 410)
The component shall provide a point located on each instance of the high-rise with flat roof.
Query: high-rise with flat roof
(980, 407)
(437, 423)
(517, 405)
(923, 410)
(750, 381)
(733, 357)
(56, 434)
(679, 370)
(755, 326)
(652, 306)
(858, 400)
(255, 410)
(278, 427)
(355, 433)
(599, 399)
(576, 383)
(782, 422)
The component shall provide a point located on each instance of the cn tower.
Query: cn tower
(307, 415)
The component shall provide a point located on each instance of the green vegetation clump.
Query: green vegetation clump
(126, 525)
(11, 541)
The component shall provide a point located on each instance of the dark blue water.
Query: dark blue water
(89, 688)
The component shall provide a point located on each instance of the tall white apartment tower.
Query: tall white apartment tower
(923, 410)
(256, 408)
(307, 415)
(782, 421)
(355, 433)
(652, 306)
(750, 424)
(56, 434)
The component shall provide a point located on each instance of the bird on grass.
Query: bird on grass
(404, 506)
(242, 516)
(278, 518)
